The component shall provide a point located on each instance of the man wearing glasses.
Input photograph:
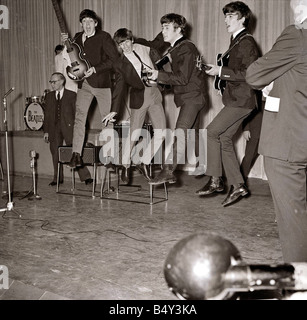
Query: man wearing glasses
(60, 107)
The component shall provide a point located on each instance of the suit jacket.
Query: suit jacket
(100, 51)
(237, 92)
(284, 133)
(128, 77)
(187, 81)
(68, 109)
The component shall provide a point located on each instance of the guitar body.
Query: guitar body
(218, 83)
(78, 65)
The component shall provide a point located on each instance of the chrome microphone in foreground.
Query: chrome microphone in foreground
(206, 266)
(9, 92)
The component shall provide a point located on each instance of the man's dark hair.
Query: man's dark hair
(241, 8)
(87, 13)
(178, 21)
(122, 35)
(58, 48)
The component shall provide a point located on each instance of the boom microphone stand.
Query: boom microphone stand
(10, 204)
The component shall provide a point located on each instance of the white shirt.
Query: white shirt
(84, 36)
(61, 93)
(143, 53)
(237, 32)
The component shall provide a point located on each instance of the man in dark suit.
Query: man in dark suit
(239, 100)
(188, 83)
(58, 124)
(251, 127)
(145, 98)
(283, 139)
(100, 52)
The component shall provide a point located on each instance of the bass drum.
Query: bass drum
(34, 116)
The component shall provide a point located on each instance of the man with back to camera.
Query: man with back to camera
(283, 133)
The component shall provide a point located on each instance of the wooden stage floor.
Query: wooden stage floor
(76, 247)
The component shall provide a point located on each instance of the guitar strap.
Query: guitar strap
(142, 63)
(236, 43)
(165, 57)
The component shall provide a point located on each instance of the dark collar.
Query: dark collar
(179, 41)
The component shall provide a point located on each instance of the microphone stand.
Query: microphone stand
(35, 196)
(10, 204)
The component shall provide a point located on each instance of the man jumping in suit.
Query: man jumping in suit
(189, 87)
(283, 138)
(60, 107)
(239, 100)
(145, 99)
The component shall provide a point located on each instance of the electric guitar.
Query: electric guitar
(160, 66)
(78, 65)
(219, 84)
(222, 60)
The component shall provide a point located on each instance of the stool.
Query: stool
(90, 157)
(106, 176)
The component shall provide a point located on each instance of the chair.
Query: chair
(106, 173)
(90, 157)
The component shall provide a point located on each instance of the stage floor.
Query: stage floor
(78, 247)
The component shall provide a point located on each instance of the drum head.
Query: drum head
(34, 116)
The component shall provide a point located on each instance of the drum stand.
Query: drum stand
(10, 204)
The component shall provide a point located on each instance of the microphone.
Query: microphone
(206, 266)
(9, 92)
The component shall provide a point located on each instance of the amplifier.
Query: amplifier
(90, 154)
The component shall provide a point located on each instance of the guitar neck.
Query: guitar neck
(59, 16)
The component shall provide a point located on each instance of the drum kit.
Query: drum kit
(34, 112)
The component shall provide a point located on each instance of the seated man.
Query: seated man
(144, 98)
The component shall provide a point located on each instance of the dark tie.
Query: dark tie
(58, 109)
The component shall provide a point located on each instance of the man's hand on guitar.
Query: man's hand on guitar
(247, 135)
(64, 37)
(213, 71)
(152, 74)
(109, 118)
(89, 72)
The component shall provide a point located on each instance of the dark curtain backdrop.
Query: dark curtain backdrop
(27, 47)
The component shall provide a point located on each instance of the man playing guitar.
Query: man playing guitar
(100, 52)
(239, 100)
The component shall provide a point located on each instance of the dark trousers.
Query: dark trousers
(288, 187)
(188, 118)
(58, 140)
(220, 147)
(251, 149)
